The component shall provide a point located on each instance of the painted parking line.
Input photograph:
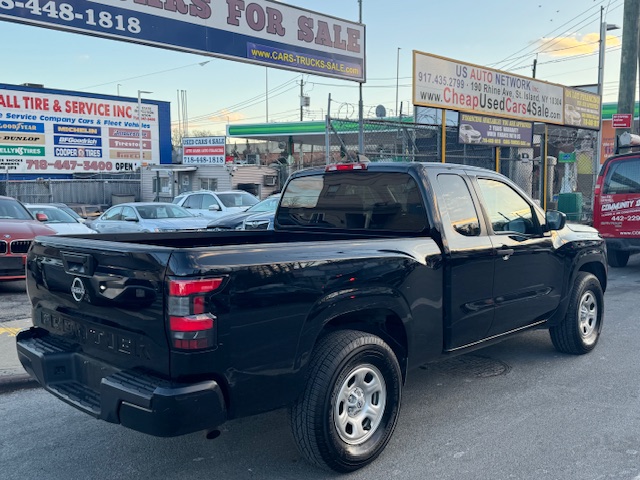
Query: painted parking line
(11, 331)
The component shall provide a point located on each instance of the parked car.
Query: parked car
(235, 221)
(18, 228)
(215, 204)
(87, 211)
(372, 270)
(147, 217)
(616, 207)
(259, 221)
(58, 219)
(66, 208)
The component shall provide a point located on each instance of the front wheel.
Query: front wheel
(579, 330)
(349, 408)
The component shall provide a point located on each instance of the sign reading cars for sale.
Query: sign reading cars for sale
(204, 150)
(46, 132)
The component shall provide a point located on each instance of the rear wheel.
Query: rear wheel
(618, 258)
(579, 330)
(349, 408)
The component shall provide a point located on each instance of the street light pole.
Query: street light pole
(604, 28)
(140, 92)
(397, 77)
(360, 102)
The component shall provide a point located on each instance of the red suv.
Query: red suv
(616, 207)
(17, 229)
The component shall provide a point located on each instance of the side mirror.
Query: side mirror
(41, 217)
(555, 220)
(130, 219)
(214, 207)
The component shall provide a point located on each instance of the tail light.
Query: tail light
(599, 182)
(190, 326)
(345, 167)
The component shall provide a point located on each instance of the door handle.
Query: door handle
(505, 253)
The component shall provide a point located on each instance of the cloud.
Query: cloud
(227, 116)
(575, 45)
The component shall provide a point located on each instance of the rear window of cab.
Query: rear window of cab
(354, 201)
(622, 177)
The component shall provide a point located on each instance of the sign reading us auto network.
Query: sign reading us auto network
(43, 132)
(444, 83)
(260, 32)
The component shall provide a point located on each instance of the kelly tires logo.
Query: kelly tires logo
(77, 289)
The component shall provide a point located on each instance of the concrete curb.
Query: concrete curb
(18, 381)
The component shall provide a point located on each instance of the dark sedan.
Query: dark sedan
(235, 220)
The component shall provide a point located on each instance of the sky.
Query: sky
(500, 34)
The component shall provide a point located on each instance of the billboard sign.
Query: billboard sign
(56, 132)
(260, 32)
(581, 109)
(494, 131)
(204, 150)
(449, 84)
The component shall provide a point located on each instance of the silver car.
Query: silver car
(147, 217)
(58, 219)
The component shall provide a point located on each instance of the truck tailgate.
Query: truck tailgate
(104, 297)
(99, 340)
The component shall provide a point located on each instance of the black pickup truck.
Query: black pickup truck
(373, 269)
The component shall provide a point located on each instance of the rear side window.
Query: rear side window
(622, 177)
(355, 200)
(459, 205)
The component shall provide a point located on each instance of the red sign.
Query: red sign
(621, 120)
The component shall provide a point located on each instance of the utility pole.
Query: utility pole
(629, 57)
(360, 103)
(535, 64)
(301, 97)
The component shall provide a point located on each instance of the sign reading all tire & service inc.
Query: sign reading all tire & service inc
(46, 131)
(259, 32)
(448, 84)
(204, 150)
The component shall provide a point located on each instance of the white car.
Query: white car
(468, 134)
(148, 217)
(571, 115)
(215, 205)
(57, 219)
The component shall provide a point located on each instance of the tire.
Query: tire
(579, 330)
(617, 258)
(335, 422)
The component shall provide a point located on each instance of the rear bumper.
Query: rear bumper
(133, 399)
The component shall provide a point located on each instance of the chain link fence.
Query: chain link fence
(569, 163)
(73, 191)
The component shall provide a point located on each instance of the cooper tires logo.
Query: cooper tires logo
(77, 289)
